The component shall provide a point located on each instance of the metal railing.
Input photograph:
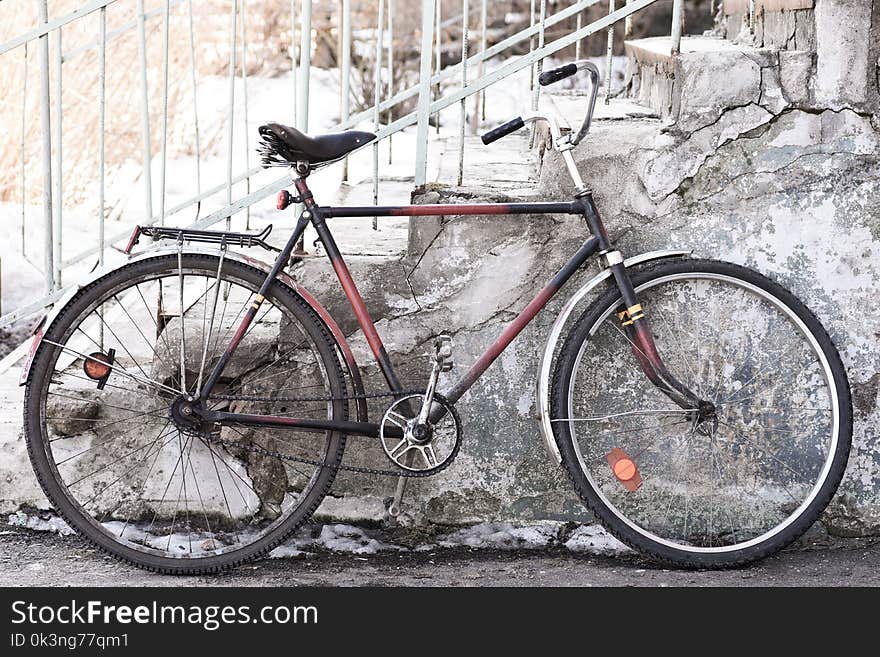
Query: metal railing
(388, 99)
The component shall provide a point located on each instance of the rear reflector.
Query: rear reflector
(624, 469)
(97, 366)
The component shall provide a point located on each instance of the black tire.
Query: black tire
(642, 539)
(39, 379)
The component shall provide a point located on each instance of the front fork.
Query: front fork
(634, 323)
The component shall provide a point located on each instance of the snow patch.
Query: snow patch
(38, 523)
(503, 536)
(594, 539)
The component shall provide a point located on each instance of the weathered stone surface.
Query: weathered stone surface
(796, 76)
(842, 44)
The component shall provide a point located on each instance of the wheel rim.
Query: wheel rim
(608, 489)
(204, 499)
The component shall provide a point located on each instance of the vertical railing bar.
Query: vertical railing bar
(305, 63)
(192, 65)
(294, 58)
(610, 55)
(230, 110)
(244, 92)
(24, 152)
(389, 115)
(577, 28)
(538, 68)
(102, 117)
(439, 55)
(377, 92)
(675, 34)
(46, 125)
(421, 172)
(58, 179)
(163, 157)
(145, 113)
(304, 81)
(346, 72)
(531, 44)
(628, 24)
(484, 10)
(465, 27)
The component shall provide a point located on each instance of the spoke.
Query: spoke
(97, 400)
(103, 442)
(206, 336)
(137, 463)
(167, 486)
(140, 497)
(87, 379)
(100, 426)
(279, 359)
(289, 463)
(182, 445)
(770, 453)
(136, 325)
(605, 418)
(765, 372)
(678, 342)
(109, 465)
(233, 324)
(182, 319)
(236, 476)
(145, 381)
(806, 409)
(160, 334)
(201, 500)
(124, 348)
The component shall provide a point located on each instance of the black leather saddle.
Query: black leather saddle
(282, 145)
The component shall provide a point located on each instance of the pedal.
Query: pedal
(443, 352)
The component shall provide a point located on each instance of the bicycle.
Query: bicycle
(168, 445)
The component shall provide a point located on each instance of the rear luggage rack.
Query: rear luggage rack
(225, 238)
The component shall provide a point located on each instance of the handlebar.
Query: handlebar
(547, 78)
(504, 129)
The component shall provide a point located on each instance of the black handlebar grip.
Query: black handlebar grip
(504, 129)
(557, 74)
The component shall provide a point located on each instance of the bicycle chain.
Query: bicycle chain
(296, 459)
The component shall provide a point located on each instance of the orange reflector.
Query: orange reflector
(97, 366)
(625, 469)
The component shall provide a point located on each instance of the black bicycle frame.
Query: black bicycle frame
(631, 316)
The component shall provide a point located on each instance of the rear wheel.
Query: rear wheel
(693, 489)
(112, 447)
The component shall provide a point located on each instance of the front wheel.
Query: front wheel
(689, 488)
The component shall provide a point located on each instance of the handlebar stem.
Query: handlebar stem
(562, 143)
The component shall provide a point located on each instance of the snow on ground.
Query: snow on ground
(349, 539)
(42, 522)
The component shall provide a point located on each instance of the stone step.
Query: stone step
(505, 167)
(779, 24)
(711, 75)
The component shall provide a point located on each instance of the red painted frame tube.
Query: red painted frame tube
(444, 209)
